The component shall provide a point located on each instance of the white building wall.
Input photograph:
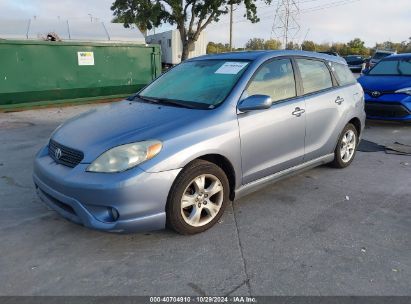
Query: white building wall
(172, 47)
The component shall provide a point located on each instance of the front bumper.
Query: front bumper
(388, 107)
(129, 201)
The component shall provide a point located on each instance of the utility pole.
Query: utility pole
(231, 27)
(285, 25)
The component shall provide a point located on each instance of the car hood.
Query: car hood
(98, 130)
(384, 83)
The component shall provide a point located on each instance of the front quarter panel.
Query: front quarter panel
(218, 134)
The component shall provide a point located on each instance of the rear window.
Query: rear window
(343, 74)
(353, 59)
(315, 75)
(379, 55)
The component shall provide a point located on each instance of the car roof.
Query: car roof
(399, 56)
(384, 52)
(254, 55)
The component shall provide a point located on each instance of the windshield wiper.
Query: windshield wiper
(176, 102)
(143, 98)
(166, 101)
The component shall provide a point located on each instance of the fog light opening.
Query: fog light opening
(114, 214)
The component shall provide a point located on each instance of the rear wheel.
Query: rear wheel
(197, 198)
(346, 148)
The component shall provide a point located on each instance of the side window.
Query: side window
(343, 74)
(275, 79)
(315, 75)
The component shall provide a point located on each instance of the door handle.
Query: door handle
(298, 112)
(339, 100)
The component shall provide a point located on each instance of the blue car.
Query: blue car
(387, 88)
(208, 131)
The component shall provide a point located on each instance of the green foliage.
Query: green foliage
(355, 46)
(214, 48)
(308, 45)
(255, 44)
(401, 47)
(190, 16)
(292, 46)
(261, 44)
(145, 13)
(272, 44)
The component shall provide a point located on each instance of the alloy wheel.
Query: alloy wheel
(202, 200)
(347, 148)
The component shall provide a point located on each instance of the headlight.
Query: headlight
(404, 91)
(124, 157)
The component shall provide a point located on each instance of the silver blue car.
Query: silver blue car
(208, 131)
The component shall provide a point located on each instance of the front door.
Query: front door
(272, 140)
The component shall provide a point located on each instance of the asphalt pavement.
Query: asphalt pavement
(322, 232)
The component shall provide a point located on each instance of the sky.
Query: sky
(320, 20)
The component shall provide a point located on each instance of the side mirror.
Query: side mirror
(255, 102)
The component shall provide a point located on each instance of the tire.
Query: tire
(202, 208)
(341, 159)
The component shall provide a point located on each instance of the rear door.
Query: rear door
(325, 105)
(273, 139)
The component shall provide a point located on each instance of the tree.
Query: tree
(340, 48)
(308, 46)
(255, 44)
(357, 46)
(292, 46)
(190, 16)
(323, 47)
(213, 48)
(402, 47)
(272, 44)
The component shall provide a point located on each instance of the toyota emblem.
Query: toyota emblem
(57, 153)
(375, 94)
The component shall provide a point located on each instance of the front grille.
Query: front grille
(68, 157)
(396, 110)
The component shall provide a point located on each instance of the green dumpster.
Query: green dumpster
(32, 71)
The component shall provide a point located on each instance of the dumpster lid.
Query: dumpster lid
(66, 30)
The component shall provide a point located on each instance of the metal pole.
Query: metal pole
(287, 16)
(231, 27)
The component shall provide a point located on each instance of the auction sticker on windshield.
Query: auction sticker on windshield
(231, 67)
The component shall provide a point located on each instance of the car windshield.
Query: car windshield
(201, 83)
(381, 55)
(399, 67)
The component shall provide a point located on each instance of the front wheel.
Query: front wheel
(347, 145)
(197, 198)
